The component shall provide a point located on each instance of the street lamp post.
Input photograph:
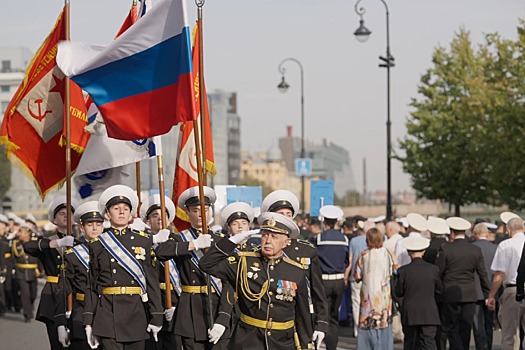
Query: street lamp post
(362, 34)
(283, 87)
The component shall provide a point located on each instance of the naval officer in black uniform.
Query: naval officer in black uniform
(124, 302)
(269, 287)
(333, 249)
(286, 203)
(192, 322)
(77, 269)
(150, 213)
(50, 251)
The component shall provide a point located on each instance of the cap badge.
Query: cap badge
(271, 222)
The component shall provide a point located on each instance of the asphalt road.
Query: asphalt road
(15, 334)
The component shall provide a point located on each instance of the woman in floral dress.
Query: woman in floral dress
(375, 267)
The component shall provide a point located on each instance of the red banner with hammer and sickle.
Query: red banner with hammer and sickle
(33, 124)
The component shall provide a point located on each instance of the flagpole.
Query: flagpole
(202, 95)
(67, 115)
(137, 183)
(167, 280)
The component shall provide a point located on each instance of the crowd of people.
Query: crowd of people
(125, 278)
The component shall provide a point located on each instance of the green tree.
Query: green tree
(351, 198)
(444, 151)
(5, 173)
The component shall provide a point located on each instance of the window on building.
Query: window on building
(4, 88)
(3, 107)
(6, 65)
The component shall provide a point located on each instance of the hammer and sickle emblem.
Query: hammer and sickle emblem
(39, 116)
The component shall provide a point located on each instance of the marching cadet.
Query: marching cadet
(236, 218)
(192, 319)
(31, 221)
(286, 203)
(269, 287)
(124, 302)
(333, 249)
(77, 269)
(26, 267)
(150, 213)
(50, 252)
(418, 284)
(5, 254)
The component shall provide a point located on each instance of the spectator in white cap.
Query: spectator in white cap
(123, 305)
(506, 268)
(333, 251)
(77, 271)
(458, 262)
(50, 251)
(439, 230)
(483, 326)
(417, 224)
(418, 284)
(192, 320)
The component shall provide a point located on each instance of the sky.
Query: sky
(345, 90)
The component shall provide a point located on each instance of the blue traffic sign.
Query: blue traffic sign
(303, 166)
(321, 193)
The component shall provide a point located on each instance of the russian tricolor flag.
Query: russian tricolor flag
(142, 82)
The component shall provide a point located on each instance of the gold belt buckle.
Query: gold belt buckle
(269, 324)
(204, 289)
(122, 290)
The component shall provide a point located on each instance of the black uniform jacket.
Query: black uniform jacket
(22, 261)
(191, 315)
(275, 305)
(458, 261)
(418, 283)
(77, 282)
(122, 317)
(305, 253)
(52, 306)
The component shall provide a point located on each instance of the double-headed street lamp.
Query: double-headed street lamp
(362, 34)
(283, 87)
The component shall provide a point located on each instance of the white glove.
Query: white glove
(67, 241)
(318, 338)
(168, 314)
(216, 333)
(161, 236)
(68, 315)
(91, 339)
(63, 336)
(243, 236)
(154, 330)
(203, 241)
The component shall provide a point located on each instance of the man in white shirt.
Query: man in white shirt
(392, 229)
(505, 266)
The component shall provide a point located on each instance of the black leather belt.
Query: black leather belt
(510, 285)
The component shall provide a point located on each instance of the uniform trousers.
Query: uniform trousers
(419, 337)
(52, 334)
(192, 344)
(167, 341)
(79, 344)
(457, 324)
(334, 291)
(3, 306)
(511, 316)
(28, 296)
(356, 303)
(112, 344)
(483, 326)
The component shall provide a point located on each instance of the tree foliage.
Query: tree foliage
(465, 136)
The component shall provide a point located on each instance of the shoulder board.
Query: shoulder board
(296, 264)
(302, 241)
(140, 233)
(69, 251)
(256, 254)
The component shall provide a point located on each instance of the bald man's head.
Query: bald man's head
(392, 228)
